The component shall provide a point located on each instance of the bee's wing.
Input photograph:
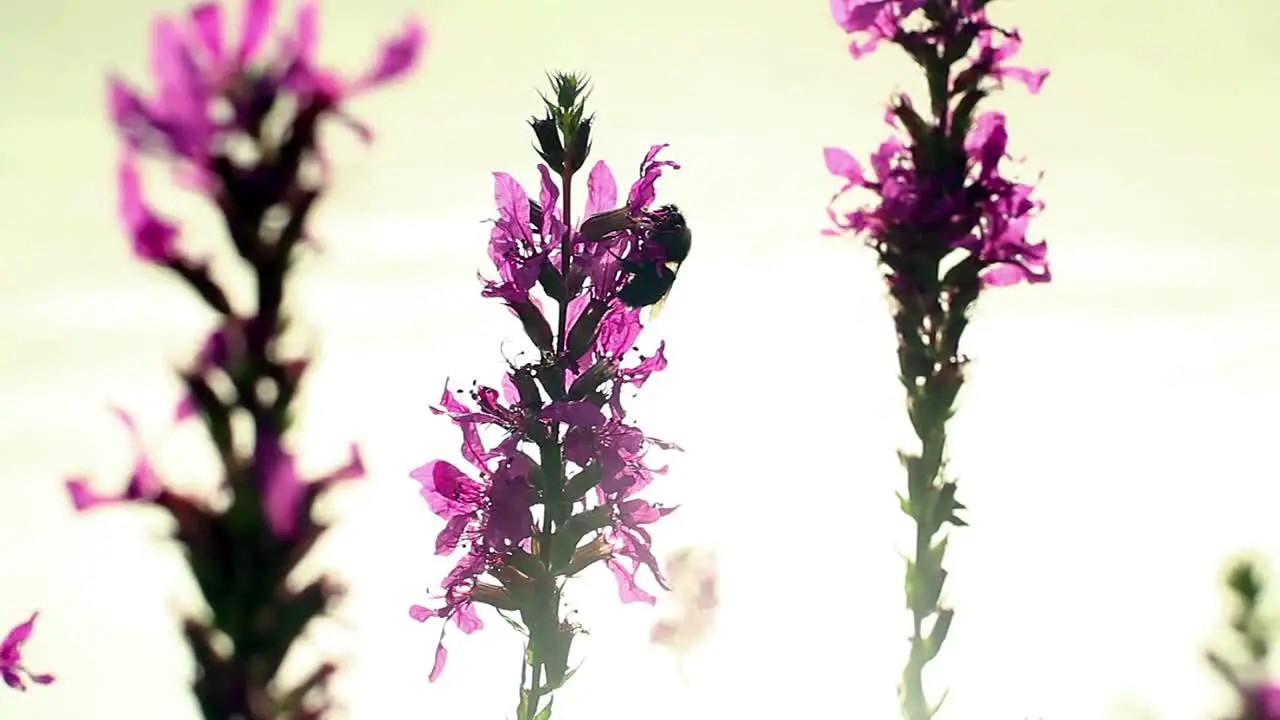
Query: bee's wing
(656, 308)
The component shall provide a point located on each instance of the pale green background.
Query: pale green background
(1115, 443)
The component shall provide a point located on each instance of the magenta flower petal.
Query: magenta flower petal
(83, 497)
(437, 667)
(283, 493)
(154, 238)
(17, 636)
(602, 190)
(255, 23)
(843, 164)
(206, 20)
(306, 31)
(396, 58)
(574, 413)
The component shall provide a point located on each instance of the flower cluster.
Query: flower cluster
(568, 404)
(237, 123)
(528, 523)
(11, 667)
(212, 94)
(944, 190)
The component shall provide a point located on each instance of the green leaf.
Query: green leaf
(530, 566)
(962, 116)
(911, 120)
(941, 626)
(546, 711)
(567, 538)
(583, 482)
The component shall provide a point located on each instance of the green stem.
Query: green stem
(929, 409)
(552, 460)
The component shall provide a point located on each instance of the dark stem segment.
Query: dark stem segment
(545, 627)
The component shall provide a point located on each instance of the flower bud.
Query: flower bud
(580, 146)
(583, 333)
(535, 325)
(588, 555)
(527, 387)
(567, 87)
(590, 381)
(494, 595)
(601, 225)
(549, 147)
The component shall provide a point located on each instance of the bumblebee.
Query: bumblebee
(651, 282)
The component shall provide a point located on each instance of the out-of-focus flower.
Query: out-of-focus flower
(11, 667)
(208, 89)
(694, 578)
(960, 199)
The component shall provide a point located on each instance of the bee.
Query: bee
(651, 283)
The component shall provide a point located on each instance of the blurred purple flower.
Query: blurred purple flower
(153, 236)
(1263, 702)
(871, 21)
(144, 484)
(986, 213)
(11, 667)
(195, 68)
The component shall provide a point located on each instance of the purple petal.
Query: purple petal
(841, 163)
(306, 31)
(206, 20)
(602, 190)
(574, 412)
(12, 679)
(154, 238)
(254, 24)
(442, 657)
(447, 540)
(396, 57)
(85, 498)
(18, 635)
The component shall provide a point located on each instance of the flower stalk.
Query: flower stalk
(557, 493)
(1252, 628)
(946, 224)
(260, 164)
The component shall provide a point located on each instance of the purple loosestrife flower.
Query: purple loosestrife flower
(11, 667)
(207, 119)
(565, 405)
(198, 72)
(938, 190)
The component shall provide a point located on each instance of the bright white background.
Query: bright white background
(1113, 444)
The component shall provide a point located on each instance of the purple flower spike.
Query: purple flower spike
(556, 467)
